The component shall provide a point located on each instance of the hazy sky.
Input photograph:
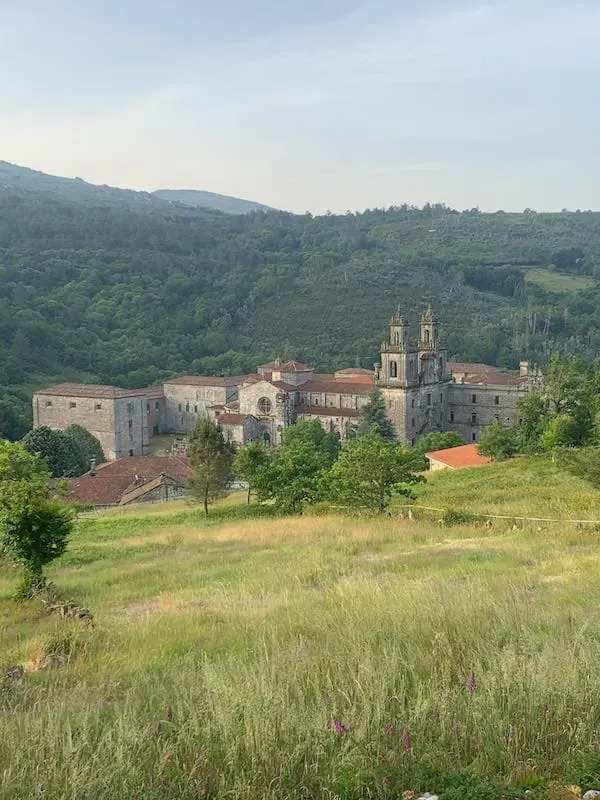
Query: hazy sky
(328, 104)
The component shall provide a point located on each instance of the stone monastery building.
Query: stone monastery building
(423, 392)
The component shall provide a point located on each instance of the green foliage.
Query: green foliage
(560, 431)
(533, 415)
(311, 431)
(374, 417)
(436, 440)
(33, 530)
(584, 462)
(369, 470)
(294, 475)
(498, 442)
(86, 445)
(67, 453)
(251, 464)
(212, 459)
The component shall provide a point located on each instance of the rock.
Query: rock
(591, 793)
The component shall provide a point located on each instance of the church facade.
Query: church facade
(423, 392)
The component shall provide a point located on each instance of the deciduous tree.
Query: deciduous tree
(212, 458)
(252, 464)
(498, 442)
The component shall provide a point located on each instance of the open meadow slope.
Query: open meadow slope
(250, 656)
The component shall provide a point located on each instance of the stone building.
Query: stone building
(423, 392)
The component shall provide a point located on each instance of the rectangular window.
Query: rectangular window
(412, 403)
(187, 408)
(156, 406)
(195, 409)
(131, 423)
(72, 404)
(412, 422)
(428, 399)
(442, 397)
(98, 406)
(452, 416)
(130, 408)
(148, 407)
(48, 403)
(473, 398)
(179, 407)
(473, 419)
(497, 400)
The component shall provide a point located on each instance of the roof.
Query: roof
(115, 479)
(491, 378)
(465, 366)
(466, 455)
(353, 371)
(205, 380)
(336, 387)
(327, 411)
(285, 366)
(97, 390)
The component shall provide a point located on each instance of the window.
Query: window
(497, 400)
(264, 406)
(497, 417)
(452, 416)
(412, 403)
(148, 407)
(48, 403)
(316, 401)
(428, 399)
(195, 409)
(130, 408)
(72, 404)
(473, 398)
(473, 419)
(187, 408)
(156, 406)
(427, 336)
(179, 407)
(412, 423)
(98, 406)
(393, 369)
(473, 437)
(442, 397)
(396, 338)
(130, 424)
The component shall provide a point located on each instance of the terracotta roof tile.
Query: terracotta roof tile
(336, 387)
(355, 371)
(232, 419)
(94, 390)
(205, 380)
(466, 455)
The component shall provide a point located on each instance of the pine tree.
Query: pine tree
(374, 418)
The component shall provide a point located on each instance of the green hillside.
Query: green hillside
(317, 656)
(115, 286)
(219, 202)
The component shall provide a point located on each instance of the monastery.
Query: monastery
(423, 392)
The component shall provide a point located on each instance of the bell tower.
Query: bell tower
(429, 338)
(395, 356)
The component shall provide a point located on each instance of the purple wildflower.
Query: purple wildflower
(338, 726)
(406, 740)
(472, 683)
(391, 730)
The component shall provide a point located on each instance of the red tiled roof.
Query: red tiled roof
(336, 387)
(93, 390)
(355, 371)
(327, 411)
(205, 380)
(114, 479)
(466, 455)
(285, 387)
(492, 378)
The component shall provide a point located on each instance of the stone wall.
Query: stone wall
(473, 406)
(131, 427)
(253, 399)
(95, 414)
(186, 404)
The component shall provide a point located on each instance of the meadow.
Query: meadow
(318, 656)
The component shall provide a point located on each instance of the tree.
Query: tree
(86, 447)
(374, 417)
(436, 440)
(498, 442)
(60, 454)
(33, 530)
(311, 430)
(585, 463)
(251, 464)
(369, 471)
(295, 475)
(560, 431)
(533, 413)
(212, 457)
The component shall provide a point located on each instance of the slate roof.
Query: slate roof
(461, 457)
(115, 479)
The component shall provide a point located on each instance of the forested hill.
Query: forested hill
(220, 202)
(130, 292)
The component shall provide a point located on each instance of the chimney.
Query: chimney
(92, 466)
(523, 369)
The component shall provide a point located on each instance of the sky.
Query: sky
(313, 106)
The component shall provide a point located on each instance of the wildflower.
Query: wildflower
(338, 726)
(391, 730)
(472, 683)
(406, 740)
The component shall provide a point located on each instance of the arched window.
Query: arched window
(267, 437)
(427, 335)
(393, 369)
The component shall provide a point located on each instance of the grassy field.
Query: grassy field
(324, 656)
(559, 281)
